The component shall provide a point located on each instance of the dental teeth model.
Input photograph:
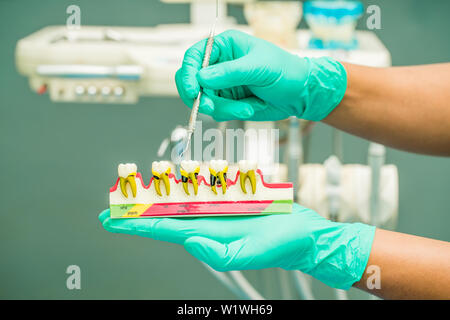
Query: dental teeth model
(127, 174)
(218, 174)
(189, 169)
(160, 171)
(247, 171)
(195, 196)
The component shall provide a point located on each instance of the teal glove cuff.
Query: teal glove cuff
(341, 262)
(324, 88)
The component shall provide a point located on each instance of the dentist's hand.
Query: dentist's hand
(252, 79)
(334, 253)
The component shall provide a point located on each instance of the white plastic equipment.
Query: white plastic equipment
(119, 64)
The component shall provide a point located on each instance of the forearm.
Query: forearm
(410, 267)
(403, 107)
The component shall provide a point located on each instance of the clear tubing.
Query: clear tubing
(295, 154)
(376, 161)
(245, 286)
(227, 282)
(302, 285)
(341, 294)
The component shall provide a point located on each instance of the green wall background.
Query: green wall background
(44, 228)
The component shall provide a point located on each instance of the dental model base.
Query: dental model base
(202, 191)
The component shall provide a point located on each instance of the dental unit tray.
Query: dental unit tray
(110, 64)
(201, 191)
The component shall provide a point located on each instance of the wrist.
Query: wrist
(342, 254)
(324, 88)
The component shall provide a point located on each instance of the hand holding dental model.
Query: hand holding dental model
(403, 107)
(293, 241)
(335, 253)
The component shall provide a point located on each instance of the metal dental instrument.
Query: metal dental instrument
(196, 105)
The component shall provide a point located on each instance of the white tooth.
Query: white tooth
(189, 165)
(155, 166)
(212, 164)
(132, 168)
(160, 166)
(243, 166)
(164, 165)
(121, 170)
(218, 165)
(252, 165)
(246, 165)
(126, 169)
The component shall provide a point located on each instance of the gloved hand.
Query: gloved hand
(334, 253)
(252, 79)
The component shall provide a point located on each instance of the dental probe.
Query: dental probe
(196, 105)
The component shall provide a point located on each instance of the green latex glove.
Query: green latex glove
(334, 253)
(252, 79)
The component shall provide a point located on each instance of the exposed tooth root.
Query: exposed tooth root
(156, 181)
(127, 174)
(252, 177)
(218, 174)
(160, 171)
(184, 180)
(165, 178)
(223, 180)
(193, 177)
(185, 177)
(242, 177)
(247, 171)
(189, 171)
(212, 180)
(123, 185)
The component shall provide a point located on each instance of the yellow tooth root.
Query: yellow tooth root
(123, 186)
(185, 177)
(130, 180)
(184, 180)
(221, 177)
(212, 180)
(165, 178)
(157, 180)
(251, 176)
(193, 177)
(242, 177)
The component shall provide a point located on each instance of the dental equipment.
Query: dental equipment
(240, 289)
(155, 54)
(376, 159)
(196, 105)
(295, 154)
(333, 23)
(124, 64)
(245, 286)
(302, 285)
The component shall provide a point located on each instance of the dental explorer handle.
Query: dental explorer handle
(205, 63)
